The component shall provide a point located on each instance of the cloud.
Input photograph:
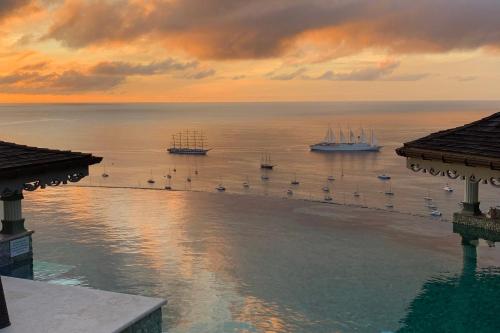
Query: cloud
(153, 68)
(232, 29)
(200, 74)
(104, 76)
(67, 82)
(287, 76)
(463, 78)
(11, 7)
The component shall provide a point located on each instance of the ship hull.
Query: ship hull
(187, 151)
(344, 147)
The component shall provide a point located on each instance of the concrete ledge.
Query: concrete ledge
(477, 221)
(42, 307)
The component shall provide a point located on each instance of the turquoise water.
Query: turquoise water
(252, 261)
(232, 263)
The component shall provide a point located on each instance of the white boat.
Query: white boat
(289, 192)
(328, 197)
(326, 189)
(427, 198)
(389, 205)
(436, 213)
(330, 178)
(448, 188)
(431, 206)
(353, 143)
(220, 188)
(384, 177)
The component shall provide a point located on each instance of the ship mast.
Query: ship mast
(342, 137)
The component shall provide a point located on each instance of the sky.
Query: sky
(248, 50)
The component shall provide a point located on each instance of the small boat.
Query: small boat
(246, 185)
(328, 197)
(151, 180)
(265, 162)
(104, 174)
(289, 192)
(448, 188)
(295, 181)
(427, 198)
(264, 177)
(435, 213)
(196, 171)
(384, 177)
(330, 178)
(431, 206)
(356, 194)
(175, 170)
(168, 187)
(389, 205)
(220, 188)
(326, 189)
(188, 179)
(389, 191)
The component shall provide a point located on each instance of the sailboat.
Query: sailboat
(169, 175)
(326, 188)
(361, 143)
(168, 186)
(104, 174)
(389, 191)
(356, 193)
(188, 143)
(220, 188)
(295, 181)
(151, 180)
(246, 183)
(289, 192)
(265, 162)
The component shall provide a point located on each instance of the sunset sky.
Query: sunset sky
(248, 50)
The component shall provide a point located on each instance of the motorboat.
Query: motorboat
(436, 213)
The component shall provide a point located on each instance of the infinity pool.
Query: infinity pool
(232, 263)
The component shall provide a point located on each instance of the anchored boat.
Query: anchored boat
(352, 143)
(265, 162)
(188, 143)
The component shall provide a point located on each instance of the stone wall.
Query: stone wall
(480, 221)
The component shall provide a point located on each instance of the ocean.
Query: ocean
(257, 259)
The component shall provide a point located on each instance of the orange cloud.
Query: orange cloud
(234, 29)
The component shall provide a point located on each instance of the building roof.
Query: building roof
(474, 144)
(19, 160)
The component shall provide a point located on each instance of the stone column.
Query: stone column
(471, 198)
(13, 222)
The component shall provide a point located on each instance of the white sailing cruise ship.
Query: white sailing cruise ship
(353, 143)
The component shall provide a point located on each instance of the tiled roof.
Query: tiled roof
(474, 144)
(18, 160)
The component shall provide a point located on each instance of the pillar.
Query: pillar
(4, 314)
(471, 198)
(469, 248)
(16, 246)
(13, 222)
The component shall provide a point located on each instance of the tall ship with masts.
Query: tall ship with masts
(352, 142)
(188, 143)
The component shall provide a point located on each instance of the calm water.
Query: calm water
(244, 262)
